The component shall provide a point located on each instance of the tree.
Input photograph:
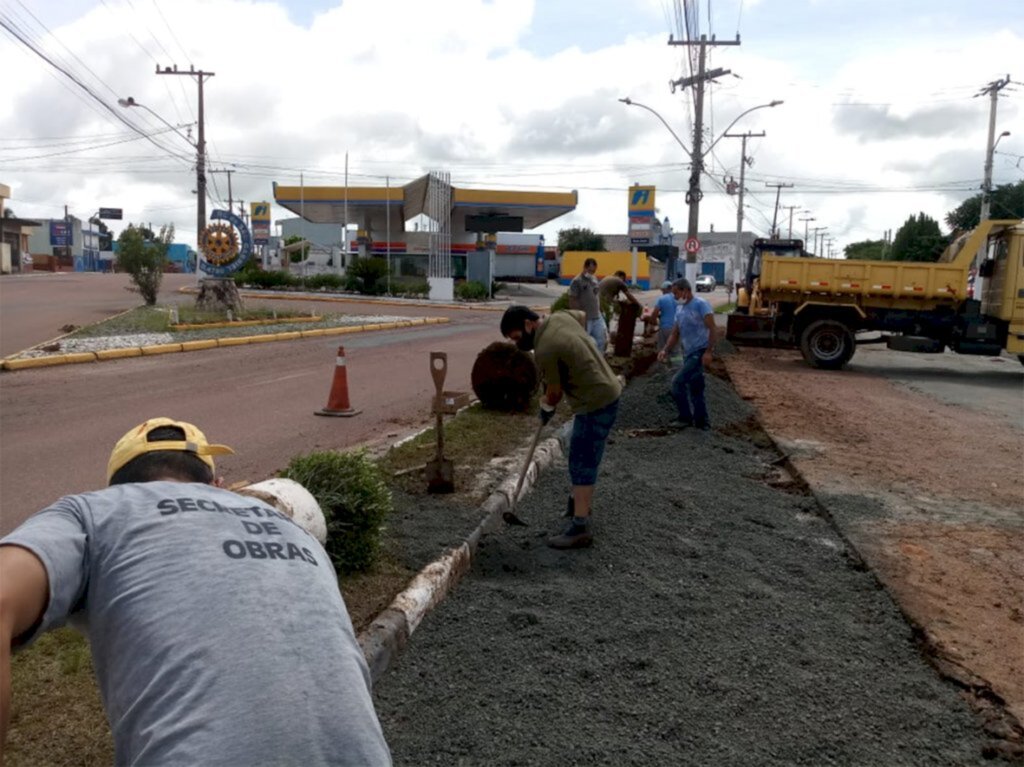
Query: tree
(1007, 202)
(579, 238)
(866, 250)
(143, 259)
(297, 256)
(919, 239)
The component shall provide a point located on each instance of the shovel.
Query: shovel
(440, 472)
(510, 516)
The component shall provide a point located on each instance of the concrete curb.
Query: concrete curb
(11, 363)
(385, 638)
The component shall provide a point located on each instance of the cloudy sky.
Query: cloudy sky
(880, 116)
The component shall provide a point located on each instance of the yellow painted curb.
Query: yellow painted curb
(44, 362)
(160, 349)
(210, 343)
(117, 354)
(195, 346)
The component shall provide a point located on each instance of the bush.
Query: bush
(418, 288)
(355, 499)
(366, 275)
(561, 303)
(328, 281)
(144, 260)
(471, 290)
(266, 280)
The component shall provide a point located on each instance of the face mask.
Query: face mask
(525, 342)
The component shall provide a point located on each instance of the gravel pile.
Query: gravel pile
(716, 620)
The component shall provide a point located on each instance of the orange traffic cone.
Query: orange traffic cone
(337, 402)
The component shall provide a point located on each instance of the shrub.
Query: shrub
(471, 290)
(329, 281)
(355, 499)
(366, 275)
(418, 288)
(561, 303)
(266, 280)
(144, 260)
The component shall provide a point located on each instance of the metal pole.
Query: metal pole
(387, 226)
(739, 219)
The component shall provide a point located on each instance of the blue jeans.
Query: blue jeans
(687, 386)
(598, 331)
(586, 446)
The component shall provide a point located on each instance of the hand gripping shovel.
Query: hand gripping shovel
(510, 516)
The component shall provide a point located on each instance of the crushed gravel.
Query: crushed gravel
(73, 344)
(716, 620)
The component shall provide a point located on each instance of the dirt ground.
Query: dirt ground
(929, 493)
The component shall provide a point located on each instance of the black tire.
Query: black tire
(827, 344)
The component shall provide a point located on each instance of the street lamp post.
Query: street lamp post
(694, 194)
(200, 174)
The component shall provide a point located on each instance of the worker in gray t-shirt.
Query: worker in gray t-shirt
(217, 630)
(583, 296)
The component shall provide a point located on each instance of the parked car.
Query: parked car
(705, 283)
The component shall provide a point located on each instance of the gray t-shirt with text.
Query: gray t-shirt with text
(217, 630)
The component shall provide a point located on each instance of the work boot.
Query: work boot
(680, 423)
(575, 536)
(570, 508)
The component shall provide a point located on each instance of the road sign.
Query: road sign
(692, 245)
(111, 213)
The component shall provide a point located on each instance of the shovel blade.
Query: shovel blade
(440, 476)
(511, 518)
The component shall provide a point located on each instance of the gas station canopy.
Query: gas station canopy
(371, 207)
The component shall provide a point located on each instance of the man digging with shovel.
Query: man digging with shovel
(570, 365)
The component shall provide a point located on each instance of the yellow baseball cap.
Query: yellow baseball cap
(136, 442)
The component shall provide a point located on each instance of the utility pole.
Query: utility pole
(805, 220)
(992, 89)
(231, 200)
(694, 194)
(200, 76)
(817, 229)
(790, 208)
(739, 272)
(778, 193)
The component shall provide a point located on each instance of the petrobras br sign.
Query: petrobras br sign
(260, 232)
(641, 201)
(259, 211)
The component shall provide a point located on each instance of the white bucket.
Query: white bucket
(294, 501)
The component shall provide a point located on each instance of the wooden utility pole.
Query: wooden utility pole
(200, 77)
(778, 193)
(739, 272)
(694, 193)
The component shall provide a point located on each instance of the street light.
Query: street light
(630, 103)
(739, 117)
(131, 102)
(694, 194)
(200, 175)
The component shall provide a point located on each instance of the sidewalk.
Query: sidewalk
(718, 619)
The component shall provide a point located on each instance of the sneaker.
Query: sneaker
(680, 423)
(573, 537)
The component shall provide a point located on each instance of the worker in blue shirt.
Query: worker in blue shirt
(695, 327)
(665, 313)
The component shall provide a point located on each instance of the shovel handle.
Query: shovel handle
(439, 369)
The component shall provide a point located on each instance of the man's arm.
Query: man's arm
(672, 338)
(709, 323)
(574, 295)
(24, 591)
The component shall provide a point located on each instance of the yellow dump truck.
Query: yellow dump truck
(826, 307)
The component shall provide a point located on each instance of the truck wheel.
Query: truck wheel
(827, 344)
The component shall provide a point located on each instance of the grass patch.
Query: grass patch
(157, 319)
(725, 308)
(56, 715)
